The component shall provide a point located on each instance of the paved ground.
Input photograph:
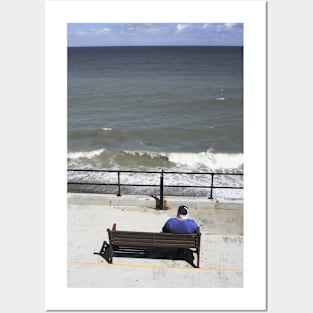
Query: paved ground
(89, 216)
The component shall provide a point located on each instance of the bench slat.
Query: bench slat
(151, 245)
(117, 241)
(146, 241)
(130, 233)
(127, 234)
(152, 235)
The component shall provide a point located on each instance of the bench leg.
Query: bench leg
(110, 254)
(110, 244)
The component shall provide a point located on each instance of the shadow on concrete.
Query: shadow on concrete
(150, 253)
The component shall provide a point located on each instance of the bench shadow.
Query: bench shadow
(150, 253)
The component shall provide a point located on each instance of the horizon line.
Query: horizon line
(110, 46)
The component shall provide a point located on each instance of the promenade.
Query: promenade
(89, 215)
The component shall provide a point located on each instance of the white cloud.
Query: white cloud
(225, 27)
(180, 28)
(81, 34)
(229, 25)
(104, 31)
(93, 32)
(153, 31)
(143, 29)
(100, 32)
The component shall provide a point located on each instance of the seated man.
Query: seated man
(181, 224)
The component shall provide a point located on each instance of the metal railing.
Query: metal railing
(161, 184)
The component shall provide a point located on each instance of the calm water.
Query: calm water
(153, 108)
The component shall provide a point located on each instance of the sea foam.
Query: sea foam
(212, 161)
(87, 155)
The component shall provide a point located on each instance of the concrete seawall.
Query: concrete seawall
(151, 202)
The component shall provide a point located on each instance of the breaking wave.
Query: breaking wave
(149, 160)
(84, 155)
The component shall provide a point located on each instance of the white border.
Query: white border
(253, 15)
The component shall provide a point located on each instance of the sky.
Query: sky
(141, 34)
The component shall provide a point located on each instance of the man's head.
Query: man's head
(182, 212)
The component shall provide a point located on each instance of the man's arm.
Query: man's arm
(165, 229)
(197, 228)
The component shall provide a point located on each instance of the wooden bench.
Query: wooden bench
(119, 240)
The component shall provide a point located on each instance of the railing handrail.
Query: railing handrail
(161, 185)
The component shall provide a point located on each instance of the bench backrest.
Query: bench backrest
(147, 239)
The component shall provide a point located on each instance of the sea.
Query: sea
(176, 109)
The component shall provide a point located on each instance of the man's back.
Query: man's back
(179, 226)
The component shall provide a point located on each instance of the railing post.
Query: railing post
(161, 191)
(211, 192)
(119, 184)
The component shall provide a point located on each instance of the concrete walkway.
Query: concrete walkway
(89, 215)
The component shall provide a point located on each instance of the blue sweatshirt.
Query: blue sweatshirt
(177, 226)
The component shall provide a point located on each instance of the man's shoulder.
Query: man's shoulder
(193, 224)
(191, 221)
(171, 220)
